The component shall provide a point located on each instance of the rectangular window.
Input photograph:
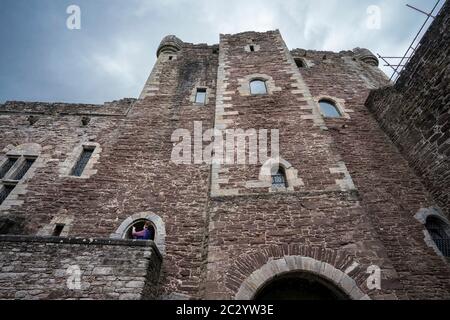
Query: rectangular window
(82, 161)
(58, 230)
(26, 165)
(252, 48)
(7, 166)
(5, 190)
(201, 96)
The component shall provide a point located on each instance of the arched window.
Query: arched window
(258, 87)
(329, 109)
(439, 232)
(139, 226)
(279, 178)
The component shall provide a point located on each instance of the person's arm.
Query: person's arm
(138, 234)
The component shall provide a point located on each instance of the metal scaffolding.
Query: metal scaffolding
(397, 64)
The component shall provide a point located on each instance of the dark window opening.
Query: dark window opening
(300, 63)
(7, 166)
(170, 57)
(85, 121)
(5, 191)
(58, 230)
(82, 161)
(33, 119)
(139, 226)
(437, 230)
(329, 109)
(279, 179)
(252, 48)
(200, 97)
(258, 87)
(299, 286)
(24, 169)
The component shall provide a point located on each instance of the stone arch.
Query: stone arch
(157, 221)
(250, 287)
(244, 83)
(251, 271)
(268, 168)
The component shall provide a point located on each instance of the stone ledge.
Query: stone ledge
(85, 241)
(350, 193)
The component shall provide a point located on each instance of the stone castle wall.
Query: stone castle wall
(47, 268)
(351, 201)
(348, 201)
(415, 112)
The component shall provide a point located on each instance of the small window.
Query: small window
(5, 190)
(437, 230)
(200, 97)
(258, 87)
(82, 161)
(58, 230)
(329, 110)
(300, 63)
(252, 48)
(7, 166)
(279, 179)
(170, 58)
(26, 165)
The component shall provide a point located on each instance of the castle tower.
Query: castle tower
(306, 196)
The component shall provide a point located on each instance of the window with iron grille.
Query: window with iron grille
(7, 166)
(22, 171)
(279, 179)
(82, 162)
(436, 229)
(5, 190)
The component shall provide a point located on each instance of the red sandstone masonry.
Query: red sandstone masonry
(355, 204)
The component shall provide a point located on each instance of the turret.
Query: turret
(169, 44)
(366, 56)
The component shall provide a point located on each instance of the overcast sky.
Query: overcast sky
(112, 54)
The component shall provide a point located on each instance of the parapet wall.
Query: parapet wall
(48, 268)
(114, 108)
(415, 112)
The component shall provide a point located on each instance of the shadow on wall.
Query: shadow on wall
(11, 225)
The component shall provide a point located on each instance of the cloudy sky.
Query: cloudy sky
(112, 54)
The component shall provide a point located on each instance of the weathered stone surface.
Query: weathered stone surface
(100, 263)
(415, 112)
(350, 203)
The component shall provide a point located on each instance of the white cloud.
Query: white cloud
(112, 55)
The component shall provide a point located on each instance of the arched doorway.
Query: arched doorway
(264, 279)
(299, 286)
